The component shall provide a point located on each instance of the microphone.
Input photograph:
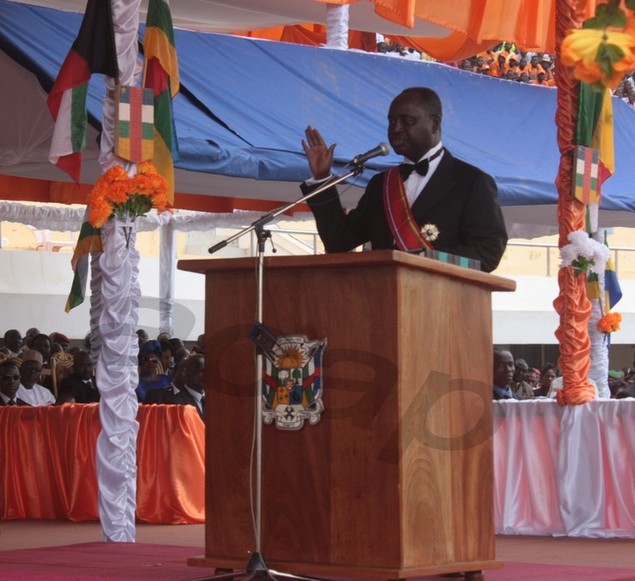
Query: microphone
(381, 149)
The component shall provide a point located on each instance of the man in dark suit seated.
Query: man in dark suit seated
(193, 392)
(80, 386)
(9, 383)
(504, 375)
(433, 200)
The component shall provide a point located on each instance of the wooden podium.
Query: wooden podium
(396, 480)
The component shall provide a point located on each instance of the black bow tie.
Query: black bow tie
(421, 167)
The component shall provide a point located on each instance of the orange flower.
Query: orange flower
(117, 194)
(600, 56)
(610, 322)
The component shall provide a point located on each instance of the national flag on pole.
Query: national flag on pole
(93, 51)
(88, 242)
(611, 284)
(595, 128)
(162, 76)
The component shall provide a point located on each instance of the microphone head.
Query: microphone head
(385, 148)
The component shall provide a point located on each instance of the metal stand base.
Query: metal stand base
(256, 569)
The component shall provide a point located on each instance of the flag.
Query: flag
(93, 51)
(611, 284)
(88, 242)
(162, 76)
(595, 128)
(134, 124)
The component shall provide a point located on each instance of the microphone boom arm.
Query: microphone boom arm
(265, 219)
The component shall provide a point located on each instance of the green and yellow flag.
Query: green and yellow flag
(88, 242)
(161, 74)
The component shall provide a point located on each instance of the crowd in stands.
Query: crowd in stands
(513, 65)
(508, 61)
(515, 379)
(42, 370)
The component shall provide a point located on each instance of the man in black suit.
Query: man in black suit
(80, 386)
(193, 392)
(9, 383)
(432, 200)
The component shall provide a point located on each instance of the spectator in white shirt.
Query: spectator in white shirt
(30, 391)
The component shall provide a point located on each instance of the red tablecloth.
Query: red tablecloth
(47, 463)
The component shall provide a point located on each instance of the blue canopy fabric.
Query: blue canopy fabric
(244, 105)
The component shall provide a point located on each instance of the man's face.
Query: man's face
(9, 380)
(412, 131)
(83, 365)
(503, 369)
(30, 373)
(195, 373)
(14, 341)
(43, 345)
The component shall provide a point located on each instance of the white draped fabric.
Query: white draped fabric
(565, 470)
(337, 26)
(116, 319)
(117, 376)
(65, 218)
(167, 283)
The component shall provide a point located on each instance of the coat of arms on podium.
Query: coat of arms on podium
(292, 382)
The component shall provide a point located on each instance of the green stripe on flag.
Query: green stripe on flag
(159, 17)
(79, 118)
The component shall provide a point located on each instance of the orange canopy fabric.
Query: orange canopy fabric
(529, 23)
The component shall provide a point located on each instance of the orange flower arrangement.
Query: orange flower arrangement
(610, 322)
(119, 195)
(604, 48)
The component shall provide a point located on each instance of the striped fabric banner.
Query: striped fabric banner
(585, 178)
(134, 123)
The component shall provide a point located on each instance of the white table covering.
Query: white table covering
(565, 470)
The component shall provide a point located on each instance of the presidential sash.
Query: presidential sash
(404, 227)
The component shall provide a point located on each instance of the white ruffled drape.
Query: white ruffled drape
(337, 17)
(564, 470)
(117, 376)
(116, 320)
(599, 350)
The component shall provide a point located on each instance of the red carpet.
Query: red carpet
(133, 561)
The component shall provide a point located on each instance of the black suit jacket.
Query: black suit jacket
(184, 398)
(459, 199)
(78, 390)
(18, 401)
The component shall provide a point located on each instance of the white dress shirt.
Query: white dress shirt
(416, 182)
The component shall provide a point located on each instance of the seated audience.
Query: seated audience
(30, 390)
(29, 336)
(142, 336)
(547, 375)
(166, 395)
(62, 340)
(151, 374)
(42, 343)
(9, 383)
(13, 342)
(193, 392)
(522, 388)
(503, 375)
(80, 386)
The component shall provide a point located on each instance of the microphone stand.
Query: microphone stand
(257, 568)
